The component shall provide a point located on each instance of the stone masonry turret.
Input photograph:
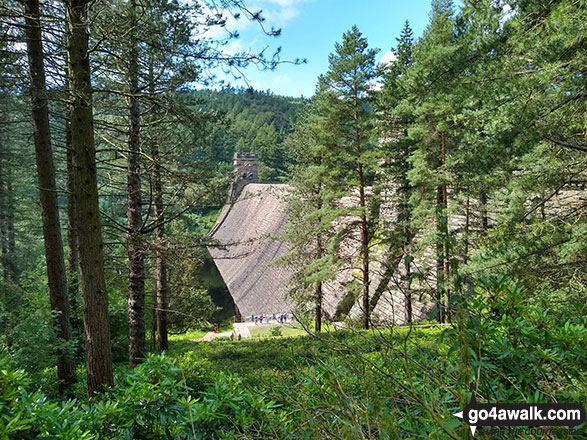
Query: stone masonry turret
(245, 170)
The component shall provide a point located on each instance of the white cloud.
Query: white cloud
(280, 12)
(280, 79)
(388, 58)
(220, 32)
(280, 17)
(234, 47)
(287, 3)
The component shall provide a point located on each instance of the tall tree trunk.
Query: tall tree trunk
(409, 311)
(439, 256)
(442, 263)
(363, 223)
(445, 231)
(484, 219)
(7, 227)
(154, 326)
(93, 284)
(161, 269)
(404, 219)
(3, 210)
(56, 274)
(320, 253)
(467, 227)
(72, 222)
(11, 263)
(318, 316)
(161, 262)
(136, 254)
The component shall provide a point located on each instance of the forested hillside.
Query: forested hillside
(449, 186)
(253, 121)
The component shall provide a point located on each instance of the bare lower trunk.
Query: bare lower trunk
(93, 284)
(446, 238)
(56, 275)
(441, 244)
(409, 312)
(7, 228)
(318, 296)
(160, 310)
(404, 219)
(439, 257)
(3, 209)
(136, 301)
(154, 327)
(364, 225)
(136, 254)
(72, 225)
(467, 227)
(484, 219)
(162, 338)
(9, 262)
(12, 265)
(365, 257)
(161, 261)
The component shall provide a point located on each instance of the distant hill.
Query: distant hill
(252, 120)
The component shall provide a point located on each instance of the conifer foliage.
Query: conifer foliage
(476, 131)
(340, 128)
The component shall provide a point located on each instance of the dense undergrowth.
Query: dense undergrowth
(388, 383)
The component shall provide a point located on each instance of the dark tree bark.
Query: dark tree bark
(404, 219)
(445, 241)
(439, 257)
(137, 346)
(56, 274)
(161, 263)
(72, 223)
(3, 210)
(7, 229)
(154, 326)
(318, 295)
(318, 317)
(363, 222)
(442, 263)
(11, 262)
(484, 219)
(93, 284)
(162, 335)
(409, 311)
(467, 227)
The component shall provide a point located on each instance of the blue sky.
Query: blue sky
(311, 27)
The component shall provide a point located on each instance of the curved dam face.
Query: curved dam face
(246, 248)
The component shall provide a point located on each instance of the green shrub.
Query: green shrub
(197, 370)
(31, 415)
(524, 352)
(276, 331)
(150, 402)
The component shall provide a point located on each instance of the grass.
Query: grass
(261, 360)
(184, 342)
(191, 334)
(286, 331)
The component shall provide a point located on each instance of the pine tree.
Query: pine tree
(349, 115)
(393, 122)
(312, 213)
(56, 273)
(429, 105)
(93, 283)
